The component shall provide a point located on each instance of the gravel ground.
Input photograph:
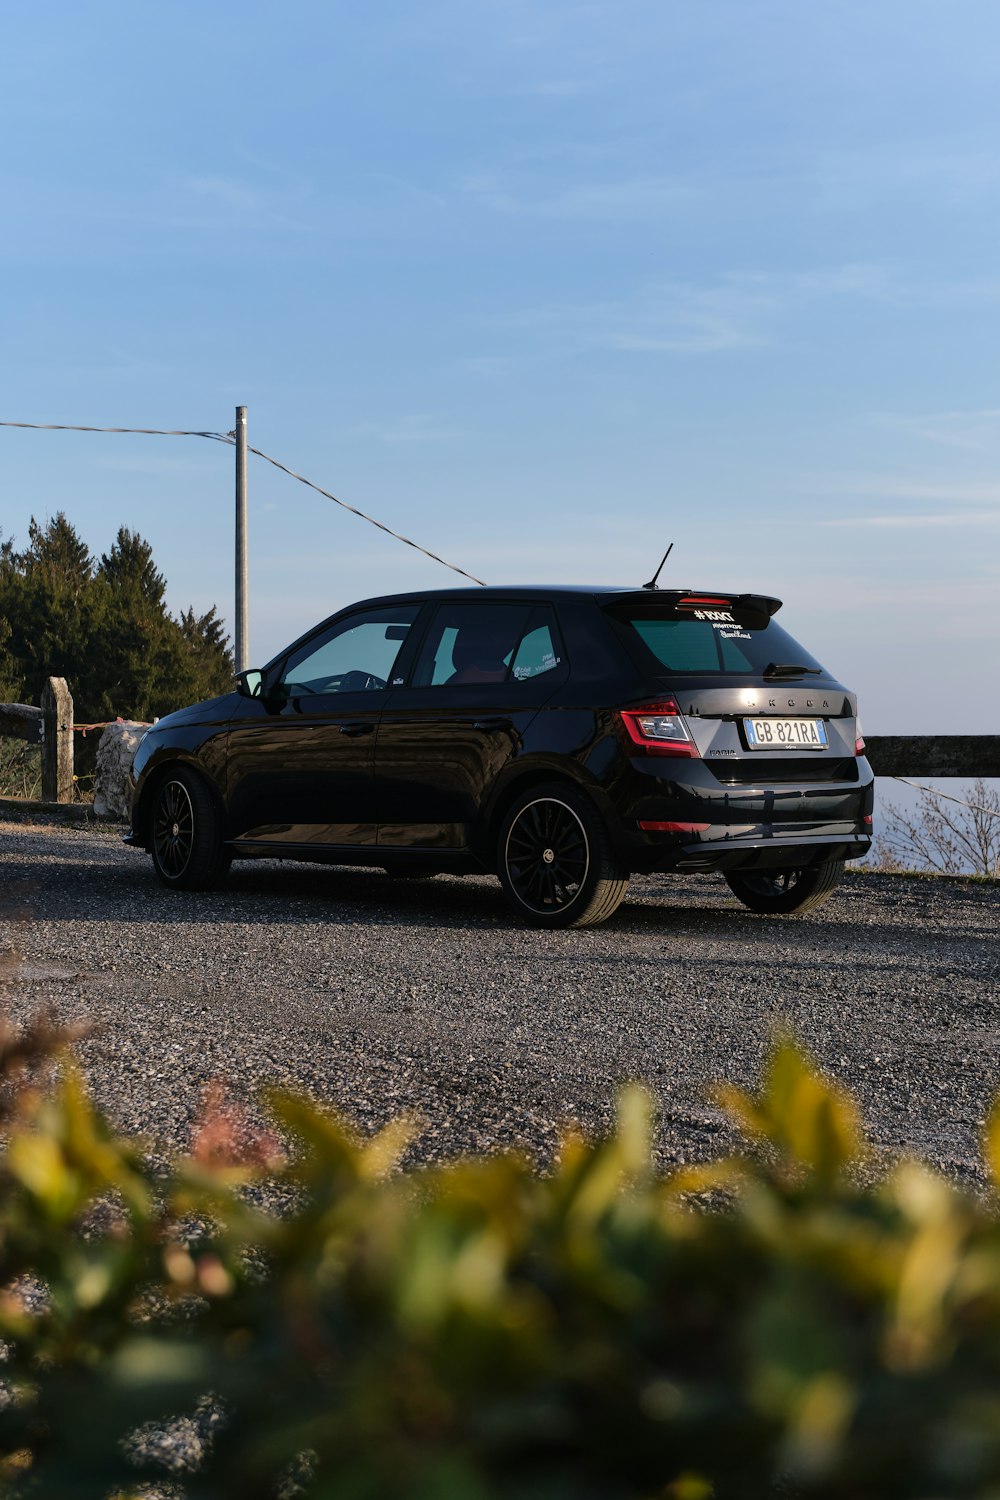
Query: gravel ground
(380, 996)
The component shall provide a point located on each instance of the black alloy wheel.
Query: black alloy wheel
(187, 848)
(786, 892)
(556, 862)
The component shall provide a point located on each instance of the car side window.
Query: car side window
(483, 643)
(470, 643)
(354, 655)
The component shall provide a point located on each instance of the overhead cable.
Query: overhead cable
(230, 438)
(991, 812)
(370, 519)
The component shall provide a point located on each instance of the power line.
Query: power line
(370, 519)
(219, 437)
(991, 812)
(229, 438)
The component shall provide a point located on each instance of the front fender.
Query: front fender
(202, 747)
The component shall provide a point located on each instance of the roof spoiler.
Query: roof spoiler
(757, 604)
(754, 608)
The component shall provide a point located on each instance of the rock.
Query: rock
(115, 753)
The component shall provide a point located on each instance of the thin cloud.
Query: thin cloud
(974, 431)
(916, 519)
(902, 487)
(960, 173)
(739, 311)
(630, 198)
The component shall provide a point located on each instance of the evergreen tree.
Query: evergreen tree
(209, 656)
(105, 628)
(53, 604)
(140, 645)
(129, 569)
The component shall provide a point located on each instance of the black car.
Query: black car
(561, 738)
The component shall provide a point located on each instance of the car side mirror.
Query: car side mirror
(250, 684)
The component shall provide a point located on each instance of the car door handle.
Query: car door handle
(491, 726)
(353, 728)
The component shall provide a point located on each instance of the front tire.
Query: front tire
(784, 892)
(556, 862)
(187, 848)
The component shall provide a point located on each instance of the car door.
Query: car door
(480, 676)
(300, 764)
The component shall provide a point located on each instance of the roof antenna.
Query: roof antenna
(652, 582)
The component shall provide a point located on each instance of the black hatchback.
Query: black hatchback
(560, 738)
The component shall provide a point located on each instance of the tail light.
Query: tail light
(659, 729)
(859, 743)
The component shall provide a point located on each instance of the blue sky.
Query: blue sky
(542, 285)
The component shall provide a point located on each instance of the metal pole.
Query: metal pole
(241, 646)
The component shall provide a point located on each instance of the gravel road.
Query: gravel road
(380, 996)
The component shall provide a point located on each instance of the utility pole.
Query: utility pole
(242, 631)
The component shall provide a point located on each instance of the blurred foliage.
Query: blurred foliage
(103, 624)
(766, 1325)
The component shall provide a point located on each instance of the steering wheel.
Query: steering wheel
(359, 682)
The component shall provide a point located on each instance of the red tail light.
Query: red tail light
(859, 743)
(659, 729)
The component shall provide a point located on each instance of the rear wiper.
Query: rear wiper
(789, 669)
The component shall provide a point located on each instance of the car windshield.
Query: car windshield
(721, 644)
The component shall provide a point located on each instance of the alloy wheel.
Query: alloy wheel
(547, 856)
(173, 829)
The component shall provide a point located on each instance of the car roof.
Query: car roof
(537, 592)
(620, 592)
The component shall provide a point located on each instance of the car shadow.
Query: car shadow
(262, 893)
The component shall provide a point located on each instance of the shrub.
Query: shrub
(20, 769)
(766, 1325)
(944, 834)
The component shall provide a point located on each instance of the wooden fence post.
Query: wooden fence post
(57, 741)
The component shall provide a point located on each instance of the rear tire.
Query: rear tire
(187, 848)
(555, 859)
(784, 892)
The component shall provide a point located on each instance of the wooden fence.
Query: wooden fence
(51, 726)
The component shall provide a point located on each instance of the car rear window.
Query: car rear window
(723, 643)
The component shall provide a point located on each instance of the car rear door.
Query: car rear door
(480, 677)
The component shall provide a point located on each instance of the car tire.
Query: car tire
(186, 834)
(556, 861)
(775, 893)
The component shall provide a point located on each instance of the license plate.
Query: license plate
(785, 734)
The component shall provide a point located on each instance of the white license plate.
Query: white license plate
(785, 734)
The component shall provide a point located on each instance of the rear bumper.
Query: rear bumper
(727, 827)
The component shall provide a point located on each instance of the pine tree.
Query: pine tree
(54, 604)
(105, 628)
(210, 658)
